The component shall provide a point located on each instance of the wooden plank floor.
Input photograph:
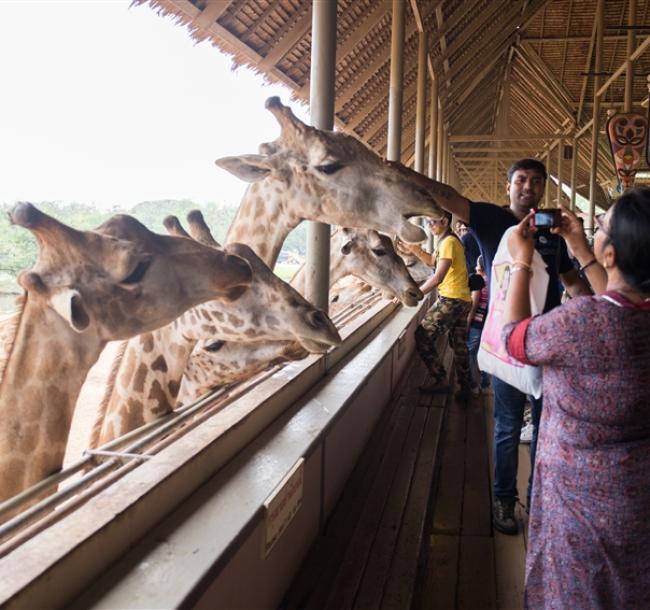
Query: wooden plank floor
(412, 528)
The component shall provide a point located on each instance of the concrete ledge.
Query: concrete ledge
(212, 532)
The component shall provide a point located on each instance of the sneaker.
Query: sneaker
(503, 516)
(526, 435)
(434, 387)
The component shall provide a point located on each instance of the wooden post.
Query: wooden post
(439, 139)
(629, 70)
(595, 127)
(396, 86)
(574, 173)
(420, 104)
(321, 107)
(547, 189)
(433, 128)
(560, 153)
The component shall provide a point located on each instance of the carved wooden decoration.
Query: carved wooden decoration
(627, 134)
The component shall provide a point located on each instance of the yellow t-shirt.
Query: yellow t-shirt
(455, 285)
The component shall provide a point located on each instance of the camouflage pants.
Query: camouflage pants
(445, 316)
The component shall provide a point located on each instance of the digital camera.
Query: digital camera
(547, 219)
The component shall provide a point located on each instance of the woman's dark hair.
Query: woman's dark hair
(527, 164)
(629, 232)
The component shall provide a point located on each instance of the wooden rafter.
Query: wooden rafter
(212, 11)
(566, 42)
(560, 96)
(288, 41)
(508, 32)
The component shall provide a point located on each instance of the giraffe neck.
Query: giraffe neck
(41, 382)
(263, 220)
(145, 381)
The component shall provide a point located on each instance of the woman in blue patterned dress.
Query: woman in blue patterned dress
(589, 528)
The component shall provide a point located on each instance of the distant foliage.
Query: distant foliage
(18, 247)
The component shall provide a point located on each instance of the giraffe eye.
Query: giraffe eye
(379, 252)
(214, 347)
(138, 273)
(329, 168)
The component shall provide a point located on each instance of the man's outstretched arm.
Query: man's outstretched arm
(447, 197)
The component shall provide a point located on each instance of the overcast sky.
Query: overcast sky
(110, 105)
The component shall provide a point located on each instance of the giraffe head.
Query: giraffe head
(332, 177)
(372, 258)
(271, 309)
(121, 279)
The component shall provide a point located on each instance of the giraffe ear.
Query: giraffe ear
(250, 168)
(68, 303)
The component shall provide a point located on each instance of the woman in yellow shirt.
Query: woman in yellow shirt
(449, 312)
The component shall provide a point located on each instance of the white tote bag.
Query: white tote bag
(492, 355)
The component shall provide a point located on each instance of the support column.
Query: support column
(560, 155)
(574, 173)
(396, 86)
(321, 107)
(629, 64)
(433, 128)
(420, 105)
(547, 190)
(595, 126)
(439, 139)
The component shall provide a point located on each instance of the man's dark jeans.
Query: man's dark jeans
(508, 419)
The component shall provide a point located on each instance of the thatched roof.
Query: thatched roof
(510, 67)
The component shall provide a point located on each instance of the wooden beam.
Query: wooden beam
(481, 137)
(508, 31)
(468, 173)
(503, 148)
(475, 25)
(621, 69)
(568, 38)
(298, 31)
(537, 64)
(212, 11)
(216, 29)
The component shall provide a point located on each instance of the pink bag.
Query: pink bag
(492, 355)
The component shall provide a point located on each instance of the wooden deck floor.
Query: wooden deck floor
(413, 526)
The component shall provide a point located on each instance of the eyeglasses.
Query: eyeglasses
(434, 221)
(600, 224)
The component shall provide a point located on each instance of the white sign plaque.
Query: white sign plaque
(282, 505)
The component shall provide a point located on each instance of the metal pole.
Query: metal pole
(321, 107)
(396, 86)
(433, 128)
(560, 152)
(574, 173)
(439, 148)
(547, 190)
(420, 105)
(595, 127)
(443, 169)
(629, 70)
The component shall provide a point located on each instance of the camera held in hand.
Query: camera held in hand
(546, 219)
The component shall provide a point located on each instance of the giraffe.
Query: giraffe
(148, 370)
(364, 254)
(370, 257)
(328, 176)
(306, 174)
(87, 288)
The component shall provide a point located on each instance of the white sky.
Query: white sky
(109, 105)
